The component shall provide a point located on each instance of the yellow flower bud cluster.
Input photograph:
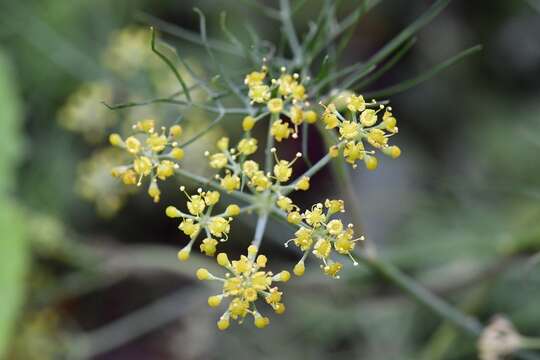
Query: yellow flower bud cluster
(285, 95)
(360, 127)
(154, 155)
(199, 217)
(321, 234)
(245, 283)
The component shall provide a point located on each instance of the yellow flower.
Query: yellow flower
(165, 169)
(223, 143)
(294, 217)
(368, 117)
(275, 105)
(354, 151)
(254, 78)
(259, 93)
(247, 146)
(211, 197)
(208, 246)
(334, 206)
(285, 203)
(322, 248)
(133, 145)
(282, 171)
(244, 284)
(315, 216)
(329, 117)
(298, 92)
(280, 130)
(349, 130)
(250, 167)
(297, 115)
(219, 226)
(377, 138)
(157, 142)
(260, 181)
(218, 161)
(189, 227)
(230, 182)
(332, 269)
(303, 238)
(196, 205)
(302, 184)
(356, 103)
(142, 165)
(334, 227)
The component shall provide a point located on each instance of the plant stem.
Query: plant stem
(312, 171)
(467, 323)
(288, 28)
(207, 182)
(262, 220)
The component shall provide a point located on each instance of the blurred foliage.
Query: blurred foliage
(13, 245)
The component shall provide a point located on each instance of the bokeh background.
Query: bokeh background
(89, 270)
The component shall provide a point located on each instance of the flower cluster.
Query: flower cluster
(360, 127)
(245, 282)
(200, 218)
(240, 171)
(285, 95)
(154, 155)
(320, 233)
(95, 183)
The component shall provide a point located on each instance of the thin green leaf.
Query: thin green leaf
(405, 85)
(169, 64)
(222, 73)
(186, 35)
(266, 10)
(290, 32)
(404, 35)
(387, 66)
(233, 39)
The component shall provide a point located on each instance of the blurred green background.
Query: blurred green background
(89, 270)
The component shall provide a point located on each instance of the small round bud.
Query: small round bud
(172, 212)
(248, 123)
(175, 131)
(223, 324)
(299, 269)
(310, 116)
(214, 301)
(279, 309)
(222, 259)
(232, 210)
(183, 255)
(115, 139)
(177, 153)
(371, 162)
(202, 274)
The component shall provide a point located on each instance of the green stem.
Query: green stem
(288, 28)
(467, 323)
(268, 156)
(207, 182)
(312, 171)
(260, 228)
